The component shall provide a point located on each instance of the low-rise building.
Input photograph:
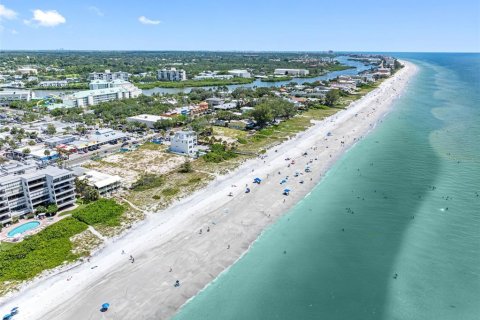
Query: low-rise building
(27, 70)
(99, 138)
(240, 73)
(148, 119)
(94, 97)
(214, 101)
(55, 141)
(37, 152)
(226, 106)
(23, 187)
(108, 75)
(291, 72)
(8, 96)
(212, 75)
(184, 142)
(171, 75)
(105, 184)
(53, 83)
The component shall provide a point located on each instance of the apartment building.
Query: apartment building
(94, 97)
(108, 75)
(53, 83)
(171, 75)
(24, 186)
(8, 96)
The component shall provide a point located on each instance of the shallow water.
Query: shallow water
(392, 232)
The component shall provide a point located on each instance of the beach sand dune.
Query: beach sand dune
(202, 235)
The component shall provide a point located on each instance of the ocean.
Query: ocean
(391, 232)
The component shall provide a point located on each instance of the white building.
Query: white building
(8, 96)
(212, 75)
(108, 75)
(240, 73)
(53, 83)
(105, 184)
(23, 187)
(291, 72)
(148, 119)
(184, 142)
(104, 84)
(226, 106)
(94, 97)
(27, 70)
(171, 75)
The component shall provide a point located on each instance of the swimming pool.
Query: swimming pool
(23, 228)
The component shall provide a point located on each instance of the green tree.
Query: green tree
(332, 97)
(163, 124)
(46, 152)
(40, 209)
(26, 151)
(51, 209)
(85, 191)
(262, 113)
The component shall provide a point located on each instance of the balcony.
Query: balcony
(63, 184)
(69, 177)
(36, 182)
(39, 187)
(39, 193)
(62, 191)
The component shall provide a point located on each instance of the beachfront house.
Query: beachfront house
(184, 143)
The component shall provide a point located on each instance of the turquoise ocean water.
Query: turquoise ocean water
(408, 200)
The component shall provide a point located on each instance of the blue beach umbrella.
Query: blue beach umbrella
(105, 307)
(7, 317)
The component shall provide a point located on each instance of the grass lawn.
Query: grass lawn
(47, 249)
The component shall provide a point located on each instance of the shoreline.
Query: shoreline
(171, 239)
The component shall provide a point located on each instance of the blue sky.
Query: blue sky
(294, 25)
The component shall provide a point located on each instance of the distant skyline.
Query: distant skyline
(268, 25)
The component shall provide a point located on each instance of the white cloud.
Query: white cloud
(13, 31)
(6, 13)
(95, 10)
(145, 20)
(49, 18)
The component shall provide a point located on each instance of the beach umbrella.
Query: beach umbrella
(283, 181)
(105, 307)
(7, 317)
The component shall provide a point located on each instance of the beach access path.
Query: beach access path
(169, 246)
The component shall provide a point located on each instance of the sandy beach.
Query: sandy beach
(201, 236)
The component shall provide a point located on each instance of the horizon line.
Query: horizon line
(227, 51)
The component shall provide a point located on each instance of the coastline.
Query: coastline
(171, 238)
